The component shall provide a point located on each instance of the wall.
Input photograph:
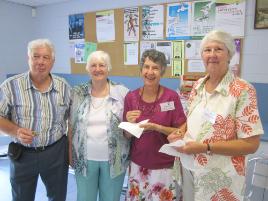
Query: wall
(16, 29)
(51, 21)
(254, 60)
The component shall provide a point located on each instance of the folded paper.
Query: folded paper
(187, 161)
(133, 128)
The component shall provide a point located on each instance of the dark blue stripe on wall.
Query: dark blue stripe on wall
(131, 82)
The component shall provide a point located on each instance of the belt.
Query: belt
(40, 149)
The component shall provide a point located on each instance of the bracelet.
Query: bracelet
(208, 149)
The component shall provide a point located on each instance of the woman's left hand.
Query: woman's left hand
(192, 148)
(174, 136)
(149, 126)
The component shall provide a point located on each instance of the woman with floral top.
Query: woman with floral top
(150, 176)
(99, 152)
(223, 126)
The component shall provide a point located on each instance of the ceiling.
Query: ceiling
(36, 3)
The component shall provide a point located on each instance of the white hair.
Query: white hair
(221, 37)
(99, 55)
(42, 42)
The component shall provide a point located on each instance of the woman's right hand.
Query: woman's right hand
(133, 115)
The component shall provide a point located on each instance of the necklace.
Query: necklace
(99, 102)
(148, 110)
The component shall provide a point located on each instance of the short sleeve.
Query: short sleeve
(126, 106)
(248, 121)
(5, 107)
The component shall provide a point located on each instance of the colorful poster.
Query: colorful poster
(76, 26)
(177, 67)
(152, 22)
(72, 46)
(105, 26)
(131, 24)
(89, 48)
(230, 16)
(178, 49)
(203, 19)
(79, 50)
(178, 58)
(178, 21)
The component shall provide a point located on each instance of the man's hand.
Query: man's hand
(25, 135)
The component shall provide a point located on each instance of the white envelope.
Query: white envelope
(133, 128)
(186, 160)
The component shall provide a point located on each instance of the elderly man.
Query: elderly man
(34, 108)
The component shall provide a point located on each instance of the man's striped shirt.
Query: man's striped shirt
(45, 113)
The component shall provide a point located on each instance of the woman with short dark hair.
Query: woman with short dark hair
(151, 171)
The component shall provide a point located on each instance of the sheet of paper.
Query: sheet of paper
(131, 24)
(230, 17)
(178, 20)
(104, 22)
(133, 128)
(196, 65)
(131, 52)
(152, 22)
(203, 17)
(192, 48)
(186, 160)
(166, 48)
(145, 45)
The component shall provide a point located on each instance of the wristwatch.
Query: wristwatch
(208, 149)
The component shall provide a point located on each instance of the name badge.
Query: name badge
(210, 116)
(167, 106)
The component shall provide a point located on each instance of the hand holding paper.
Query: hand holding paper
(133, 128)
(186, 160)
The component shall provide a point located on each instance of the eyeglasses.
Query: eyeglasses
(101, 66)
(45, 58)
(216, 50)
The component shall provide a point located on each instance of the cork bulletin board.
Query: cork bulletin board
(116, 48)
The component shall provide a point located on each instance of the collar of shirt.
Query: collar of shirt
(223, 86)
(86, 88)
(29, 84)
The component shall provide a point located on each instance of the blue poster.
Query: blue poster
(76, 26)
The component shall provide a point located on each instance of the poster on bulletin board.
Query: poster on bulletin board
(76, 26)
